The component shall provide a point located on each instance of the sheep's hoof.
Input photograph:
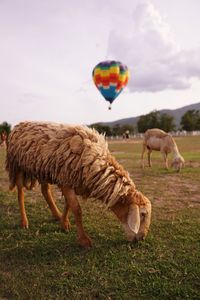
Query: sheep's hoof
(24, 224)
(85, 243)
(66, 225)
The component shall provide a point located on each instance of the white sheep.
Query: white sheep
(159, 140)
(77, 159)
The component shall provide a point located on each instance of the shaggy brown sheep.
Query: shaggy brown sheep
(77, 159)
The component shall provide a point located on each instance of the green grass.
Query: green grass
(44, 262)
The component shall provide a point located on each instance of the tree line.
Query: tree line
(190, 121)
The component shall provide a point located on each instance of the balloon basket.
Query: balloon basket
(109, 107)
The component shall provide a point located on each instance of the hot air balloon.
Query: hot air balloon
(110, 77)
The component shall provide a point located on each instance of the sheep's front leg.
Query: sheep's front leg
(73, 204)
(46, 191)
(165, 160)
(65, 217)
(24, 219)
(20, 190)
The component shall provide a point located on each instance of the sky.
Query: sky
(49, 48)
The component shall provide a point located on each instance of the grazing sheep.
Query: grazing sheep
(159, 140)
(77, 159)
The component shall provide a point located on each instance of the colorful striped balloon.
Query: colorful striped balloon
(110, 77)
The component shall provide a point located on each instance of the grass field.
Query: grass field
(44, 262)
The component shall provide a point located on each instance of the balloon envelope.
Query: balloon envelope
(110, 77)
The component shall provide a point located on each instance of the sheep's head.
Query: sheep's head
(178, 162)
(135, 217)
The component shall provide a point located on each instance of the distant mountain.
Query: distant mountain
(176, 113)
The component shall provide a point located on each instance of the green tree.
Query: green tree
(191, 120)
(116, 130)
(151, 120)
(167, 122)
(104, 129)
(120, 129)
(156, 120)
(5, 127)
(127, 127)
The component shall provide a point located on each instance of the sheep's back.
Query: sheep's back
(52, 152)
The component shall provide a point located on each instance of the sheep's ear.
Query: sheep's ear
(134, 218)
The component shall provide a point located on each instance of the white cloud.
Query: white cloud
(155, 61)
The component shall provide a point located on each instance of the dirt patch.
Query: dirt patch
(131, 141)
(177, 192)
(193, 164)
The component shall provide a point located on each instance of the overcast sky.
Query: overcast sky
(48, 49)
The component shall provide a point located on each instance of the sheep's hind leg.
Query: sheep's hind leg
(72, 202)
(142, 156)
(46, 191)
(149, 157)
(165, 160)
(65, 223)
(20, 189)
